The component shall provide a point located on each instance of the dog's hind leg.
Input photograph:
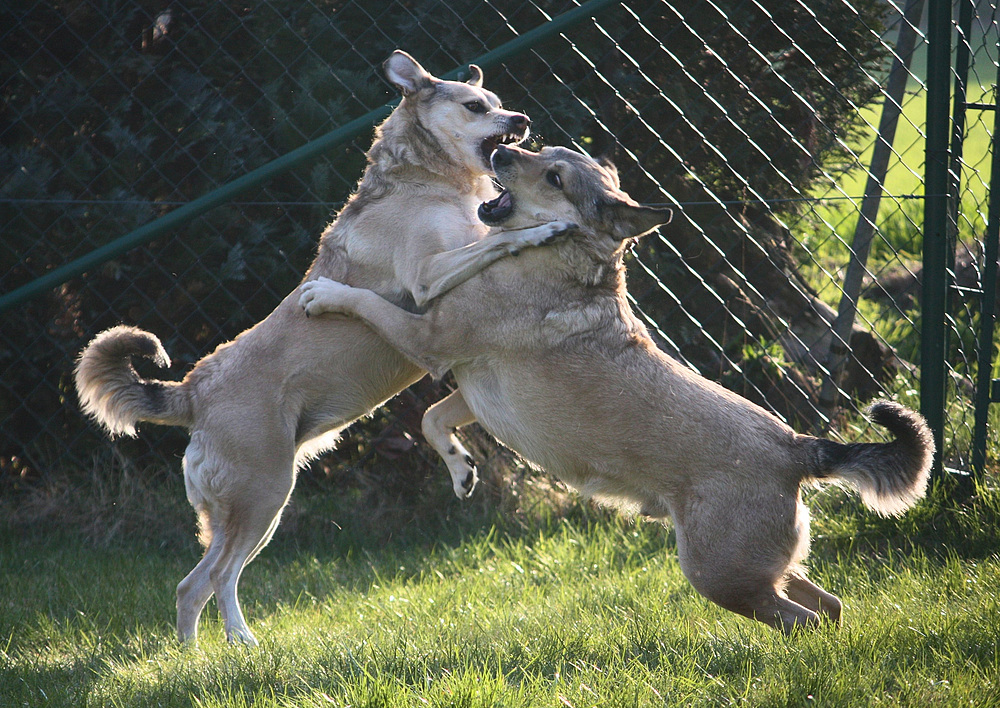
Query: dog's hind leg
(810, 595)
(253, 515)
(781, 613)
(729, 583)
(239, 490)
(736, 549)
(738, 589)
(439, 424)
(195, 590)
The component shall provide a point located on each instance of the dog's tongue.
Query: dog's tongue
(495, 210)
(499, 203)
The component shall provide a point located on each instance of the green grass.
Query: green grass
(906, 166)
(584, 610)
(900, 218)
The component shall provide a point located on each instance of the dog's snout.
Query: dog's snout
(520, 122)
(502, 156)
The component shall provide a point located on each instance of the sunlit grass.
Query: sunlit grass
(825, 233)
(835, 214)
(583, 611)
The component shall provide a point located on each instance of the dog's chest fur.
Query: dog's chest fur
(519, 414)
(543, 405)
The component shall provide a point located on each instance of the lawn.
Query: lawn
(839, 197)
(581, 608)
(827, 227)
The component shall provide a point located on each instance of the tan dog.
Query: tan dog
(552, 362)
(281, 392)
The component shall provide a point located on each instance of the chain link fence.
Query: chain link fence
(758, 119)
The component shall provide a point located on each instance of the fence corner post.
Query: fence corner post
(935, 290)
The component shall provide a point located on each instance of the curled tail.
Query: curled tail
(112, 392)
(891, 476)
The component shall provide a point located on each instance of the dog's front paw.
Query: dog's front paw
(558, 228)
(547, 233)
(539, 235)
(323, 295)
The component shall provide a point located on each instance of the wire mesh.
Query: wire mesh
(973, 125)
(757, 118)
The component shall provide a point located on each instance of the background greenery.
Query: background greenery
(116, 113)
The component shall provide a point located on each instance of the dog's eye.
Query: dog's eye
(476, 107)
(553, 178)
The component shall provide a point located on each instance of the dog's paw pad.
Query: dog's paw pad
(469, 483)
(465, 477)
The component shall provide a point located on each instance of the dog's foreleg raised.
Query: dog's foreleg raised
(439, 424)
(439, 273)
(412, 335)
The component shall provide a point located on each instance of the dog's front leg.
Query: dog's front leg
(439, 273)
(439, 425)
(411, 335)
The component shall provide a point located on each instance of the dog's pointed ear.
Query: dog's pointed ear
(632, 220)
(405, 73)
(475, 76)
(643, 219)
(605, 162)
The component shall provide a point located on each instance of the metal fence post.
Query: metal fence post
(934, 297)
(987, 389)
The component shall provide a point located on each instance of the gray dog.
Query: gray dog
(552, 362)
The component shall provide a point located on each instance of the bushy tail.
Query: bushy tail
(111, 391)
(891, 476)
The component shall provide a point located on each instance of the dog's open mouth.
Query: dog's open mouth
(491, 143)
(496, 210)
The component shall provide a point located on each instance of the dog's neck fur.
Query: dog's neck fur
(595, 279)
(396, 160)
(586, 263)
